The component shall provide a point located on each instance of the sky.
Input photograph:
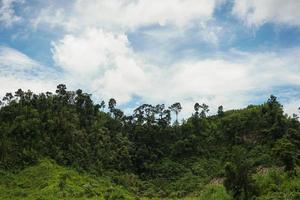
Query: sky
(219, 52)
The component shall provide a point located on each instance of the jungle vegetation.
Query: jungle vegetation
(63, 145)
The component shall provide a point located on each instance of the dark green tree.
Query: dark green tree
(287, 153)
(176, 108)
(220, 111)
(238, 181)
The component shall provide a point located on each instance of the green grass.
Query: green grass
(214, 192)
(47, 181)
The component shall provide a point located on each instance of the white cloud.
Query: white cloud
(233, 81)
(19, 60)
(90, 52)
(52, 17)
(135, 13)
(17, 70)
(120, 15)
(36, 85)
(8, 16)
(96, 54)
(292, 107)
(102, 60)
(115, 70)
(258, 12)
(211, 33)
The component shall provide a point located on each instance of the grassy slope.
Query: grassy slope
(50, 181)
(47, 181)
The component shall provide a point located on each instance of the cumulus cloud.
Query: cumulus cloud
(90, 52)
(101, 59)
(258, 12)
(117, 71)
(8, 16)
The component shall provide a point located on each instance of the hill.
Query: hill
(64, 145)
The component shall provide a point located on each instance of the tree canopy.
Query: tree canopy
(68, 127)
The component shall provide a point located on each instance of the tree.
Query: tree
(196, 108)
(145, 113)
(238, 179)
(8, 98)
(61, 89)
(112, 104)
(176, 108)
(19, 93)
(71, 129)
(287, 153)
(204, 110)
(272, 102)
(102, 105)
(274, 118)
(220, 111)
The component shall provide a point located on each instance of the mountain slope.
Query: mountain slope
(47, 180)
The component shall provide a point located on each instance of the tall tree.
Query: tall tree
(176, 108)
(220, 111)
(204, 110)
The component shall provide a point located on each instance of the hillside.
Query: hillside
(47, 180)
(63, 145)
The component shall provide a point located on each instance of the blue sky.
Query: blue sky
(229, 52)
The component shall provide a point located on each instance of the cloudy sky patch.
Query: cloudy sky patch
(221, 52)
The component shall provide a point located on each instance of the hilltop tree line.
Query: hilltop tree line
(68, 127)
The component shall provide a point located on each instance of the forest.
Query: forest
(63, 145)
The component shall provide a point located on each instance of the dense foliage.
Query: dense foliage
(149, 154)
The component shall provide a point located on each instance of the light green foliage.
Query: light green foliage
(275, 184)
(48, 181)
(214, 192)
